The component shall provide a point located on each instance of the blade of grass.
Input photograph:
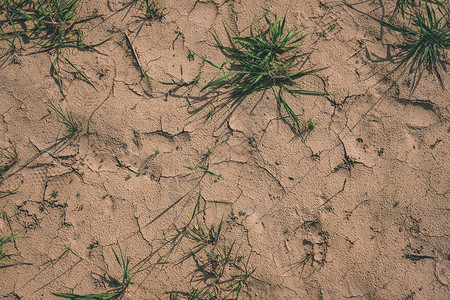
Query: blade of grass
(204, 170)
(99, 296)
(81, 73)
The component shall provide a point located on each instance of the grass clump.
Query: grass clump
(56, 28)
(203, 237)
(264, 60)
(402, 6)
(72, 124)
(121, 286)
(55, 23)
(152, 10)
(51, 25)
(8, 158)
(195, 294)
(5, 239)
(9, 31)
(222, 270)
(239, 281)
(424, 38)
(426, 41)
(219, 258)
(124, 262)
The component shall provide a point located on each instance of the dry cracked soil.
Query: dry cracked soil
(231, 205)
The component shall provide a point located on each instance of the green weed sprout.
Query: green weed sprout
(427, 39)
(9, 9)
(55, 23)
(403, 5)
(240, 281)
(220, 258)
(4, 239)
(203, 237)
(122, 286)
(124, 263)
(55, 26)
(195, 294)
(72, 124)
(152, 10)
(262, 61)
(8, 158)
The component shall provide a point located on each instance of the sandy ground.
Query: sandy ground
(385, 235)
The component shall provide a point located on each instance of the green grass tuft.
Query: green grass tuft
(241, 280)
(72, 124)
(51, 25)
(124, 262)
(152, 10)
(195, 294)
(219, 259)
(8, 158)
(402, 6)
(203, 237)
(426, 40)
(121, 285)
(4, 239)
(264, 60)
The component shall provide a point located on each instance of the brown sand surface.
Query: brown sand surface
(123, 178)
